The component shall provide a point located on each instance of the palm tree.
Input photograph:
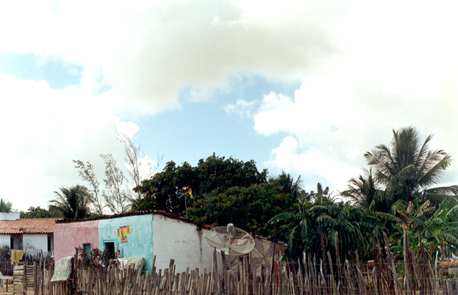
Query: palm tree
(316, 223)
(363, 191)
(72, 202)
(289, 186)
(5, 206)
(407, 169)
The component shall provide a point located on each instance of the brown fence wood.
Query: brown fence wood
(310, 276)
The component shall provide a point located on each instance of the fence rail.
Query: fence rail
(311, 276)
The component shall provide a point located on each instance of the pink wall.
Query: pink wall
(67, 236)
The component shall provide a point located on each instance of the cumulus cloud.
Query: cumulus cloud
(398, 68)
(367, 68)
(43, 130)
(334, 119)
(148, 52)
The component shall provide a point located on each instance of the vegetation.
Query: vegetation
(6, 206)
(397, 194)
(219, 191)
(313, 227)
(38, 212)
(117, 193)
(72, 202)
(407, 170)
(394, 196)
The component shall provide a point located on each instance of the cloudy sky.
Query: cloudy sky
(305, 88)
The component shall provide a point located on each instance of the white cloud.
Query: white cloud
(128, 128)
(43, 130)
(398, 67)
(241, 107)
(148, 52)
(311, 163)
(333, 120)
(367, 67)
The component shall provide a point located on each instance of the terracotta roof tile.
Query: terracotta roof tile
(28, 226)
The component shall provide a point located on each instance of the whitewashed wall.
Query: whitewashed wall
(35, 243)
(9, 216)
(5, 241)
(184, 242)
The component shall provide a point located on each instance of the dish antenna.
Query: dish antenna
(230, 240)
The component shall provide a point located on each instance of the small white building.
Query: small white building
(32, 235)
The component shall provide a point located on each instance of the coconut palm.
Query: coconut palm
(317, 223)
(72, 202)
(407, 168)
(364, 191)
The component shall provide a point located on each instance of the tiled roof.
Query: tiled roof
(28, 226)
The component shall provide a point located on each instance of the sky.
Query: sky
(306, 87)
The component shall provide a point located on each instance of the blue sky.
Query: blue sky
(302, 87)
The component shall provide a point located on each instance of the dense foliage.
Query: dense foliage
(5, 206)
(313, 227)
(38, 212)
(219, 191)
(72, 202)
(395, 195)
(400, 188)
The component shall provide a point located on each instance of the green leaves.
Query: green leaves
(5, 206)
(354, 224)
(72, 202)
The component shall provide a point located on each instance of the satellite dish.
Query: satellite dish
(230, 240)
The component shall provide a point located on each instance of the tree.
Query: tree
(38, 212)
(164, 190)
(407, 169)
(364, 191)
(116, 194)
(73, 202)
(292, 187)
(435, 228)
(6, 206)
(249, 207)
(313, 227)
(86, 171)
(138, 170)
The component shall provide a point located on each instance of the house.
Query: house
(32, 235)
(138, 234)
(151, 233)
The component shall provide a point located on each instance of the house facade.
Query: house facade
(32, 235)
(146, 235)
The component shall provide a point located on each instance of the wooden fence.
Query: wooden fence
(311, 276)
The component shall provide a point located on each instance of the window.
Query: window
(87, 249)
(49, 244)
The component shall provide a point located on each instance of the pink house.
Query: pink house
(77, 234)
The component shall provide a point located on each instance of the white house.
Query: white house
(32, 235)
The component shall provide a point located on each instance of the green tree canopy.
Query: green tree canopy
(219, 191)
(316, 222)
(5, 206)
(249, 207)
(164, 190)
(72, 202)
(435, 228)
(38, 212)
